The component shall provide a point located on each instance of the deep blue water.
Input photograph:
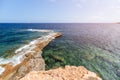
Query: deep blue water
(95, 46)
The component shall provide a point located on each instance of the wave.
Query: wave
(38, 30)
(1, 70)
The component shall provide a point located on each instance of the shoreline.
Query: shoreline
(29, 58)
(24, 54)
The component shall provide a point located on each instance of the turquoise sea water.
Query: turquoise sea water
(95, 46)
(12, 39)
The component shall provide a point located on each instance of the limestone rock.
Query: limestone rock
(67, 73)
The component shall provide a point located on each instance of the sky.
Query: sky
(59, 11)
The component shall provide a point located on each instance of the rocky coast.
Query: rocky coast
(30, 60)
(31, 65)
(66, 73)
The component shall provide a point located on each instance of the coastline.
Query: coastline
(29, 58)
(25, 55)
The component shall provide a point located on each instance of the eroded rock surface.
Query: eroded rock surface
(67, 73)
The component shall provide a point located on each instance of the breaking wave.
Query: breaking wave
(20, 52)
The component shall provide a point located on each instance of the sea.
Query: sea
(95, 46)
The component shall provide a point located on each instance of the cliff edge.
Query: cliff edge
(67, 73)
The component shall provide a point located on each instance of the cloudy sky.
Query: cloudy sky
(59, 11)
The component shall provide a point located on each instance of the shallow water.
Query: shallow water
(95, 46)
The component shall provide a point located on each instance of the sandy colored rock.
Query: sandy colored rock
(67, 73)
(35, 63)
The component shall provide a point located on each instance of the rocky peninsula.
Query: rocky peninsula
(30, 60)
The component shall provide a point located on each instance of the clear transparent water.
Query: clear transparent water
(95, 46)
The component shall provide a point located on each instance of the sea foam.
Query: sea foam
(37, 30)
(20, 52)
(1, 70)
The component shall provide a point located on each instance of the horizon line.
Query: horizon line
(51, 22)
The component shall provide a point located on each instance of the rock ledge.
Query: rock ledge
(67, 73)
